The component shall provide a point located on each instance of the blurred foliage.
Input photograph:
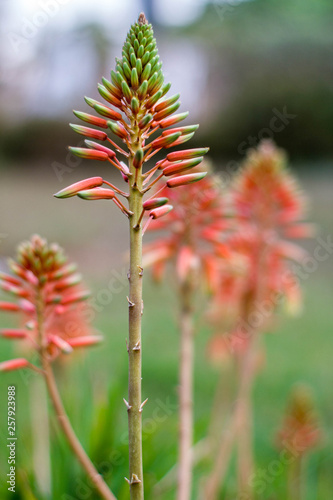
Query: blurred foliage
(275, 54)
(94, 402)
(262, 56)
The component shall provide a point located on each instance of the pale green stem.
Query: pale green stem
(217, 476)
(60, 412)
(186, 392)
(295, 479)
(135, 312)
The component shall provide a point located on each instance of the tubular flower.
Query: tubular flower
(268, 208)
(300, 430)
(135, 105)
(192, 234)
(45, 286)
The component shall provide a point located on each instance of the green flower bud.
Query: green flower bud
(146, 72)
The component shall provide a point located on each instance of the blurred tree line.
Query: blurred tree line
(269, 75)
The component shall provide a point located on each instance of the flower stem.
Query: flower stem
(231, 432)
(295, 479)
(185, 392)
(134, 345)
(72, 439)
(244, 431)
(62, 417)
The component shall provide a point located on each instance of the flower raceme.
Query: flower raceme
(137, 114)
(268, 209)
(193, 233)
(45, 285)
(135, 108)
(300, 429)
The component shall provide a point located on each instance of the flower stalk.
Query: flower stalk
(135, 308)
(60, 411)
(186, 390)
(268, 210)
(137, 90)
(51, 290)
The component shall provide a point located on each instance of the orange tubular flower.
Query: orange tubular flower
(46, 284)
(268, 211)
(269, 208)
(192, 234)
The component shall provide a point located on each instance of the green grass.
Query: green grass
(93, 386)
(94, 383)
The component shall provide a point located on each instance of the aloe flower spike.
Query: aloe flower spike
(137, 90)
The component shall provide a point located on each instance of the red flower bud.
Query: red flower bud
(75, 297)
(89, 132)
(118, 129)
(63, 271)
(108, 96)
(108, 112)
(27, 306)
(177, 168)
(88, 154)
(182, 180)
(96, 194)
(9, 306)
(114, 90)
(73, 189)
(9, 279)
(154, 203)
(100, 147)
(159, 212)
(162, 142)
(186, 154)
(166, 102)
(181, 140)
(19, 292)
(172, 120)
(85, 341)
(166, 112)
(13, 364)
(68, 281)
(13, 333)
(64, 346)
(184, 130)
(93, 120)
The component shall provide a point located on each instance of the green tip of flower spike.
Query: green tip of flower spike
(140, 61)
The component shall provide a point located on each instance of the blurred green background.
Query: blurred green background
(240, 66)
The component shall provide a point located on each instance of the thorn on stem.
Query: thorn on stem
(140, 271)
(135, 479)
(127, 347)
(130, 303)
(142, 405)
(128, 406)
(137, 346)
(142, 307)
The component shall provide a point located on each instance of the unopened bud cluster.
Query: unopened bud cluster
(46, 289)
